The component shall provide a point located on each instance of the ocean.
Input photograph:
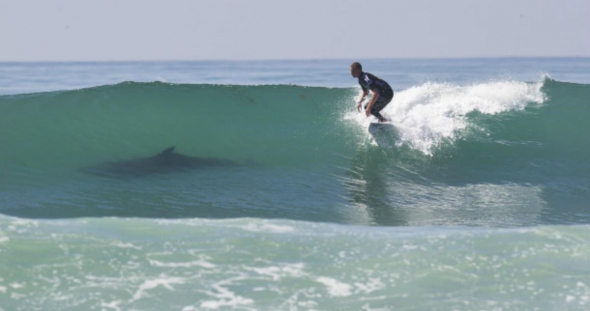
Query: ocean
(277, 197)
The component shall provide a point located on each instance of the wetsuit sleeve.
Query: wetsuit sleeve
(362, 86)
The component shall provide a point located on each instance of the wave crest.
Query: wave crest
(428, 114)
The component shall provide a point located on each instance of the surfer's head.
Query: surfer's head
(356, 69)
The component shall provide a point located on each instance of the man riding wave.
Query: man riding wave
(382, 92)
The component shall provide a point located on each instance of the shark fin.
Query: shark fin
(166, 151)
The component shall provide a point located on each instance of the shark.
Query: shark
(164, 162)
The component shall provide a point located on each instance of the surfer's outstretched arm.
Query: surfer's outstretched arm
(358, 107)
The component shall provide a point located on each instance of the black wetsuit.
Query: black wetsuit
(370, 82)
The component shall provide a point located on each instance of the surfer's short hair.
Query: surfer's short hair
(357, 65)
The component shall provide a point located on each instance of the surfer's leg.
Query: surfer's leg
(378, 116)
(375, 112)
(378, 106)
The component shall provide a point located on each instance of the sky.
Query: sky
(105, 30)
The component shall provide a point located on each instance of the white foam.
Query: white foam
(374, 284)
(195, 263)
(20, 225)
(335, 288)
(16, 285)
(225, 297)
(264, 227)
(125, 245)
(233, 302)
(112, 305)
(163, 280)
(278, 272)
(430, 113)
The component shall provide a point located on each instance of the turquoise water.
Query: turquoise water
(257, 264)
(477, 199)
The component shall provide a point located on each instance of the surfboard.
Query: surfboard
(384, 133)
(380, 127)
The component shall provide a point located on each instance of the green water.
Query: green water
(489, 182)
(254, 264)
(500, 154)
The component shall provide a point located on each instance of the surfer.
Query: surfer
(382, 92)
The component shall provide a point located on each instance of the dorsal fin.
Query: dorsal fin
(166, 151)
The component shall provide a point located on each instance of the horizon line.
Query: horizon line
(289, 59)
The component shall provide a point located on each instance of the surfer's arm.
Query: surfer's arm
(358, 107)
(363, 95)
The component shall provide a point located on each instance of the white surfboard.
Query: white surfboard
(381, 127)
(384, 133)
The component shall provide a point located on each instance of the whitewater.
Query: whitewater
(478, 201)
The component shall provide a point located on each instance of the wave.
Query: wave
(120, 118)
(526, 138)
(127, 119)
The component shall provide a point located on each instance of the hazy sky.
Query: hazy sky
(274, 29)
